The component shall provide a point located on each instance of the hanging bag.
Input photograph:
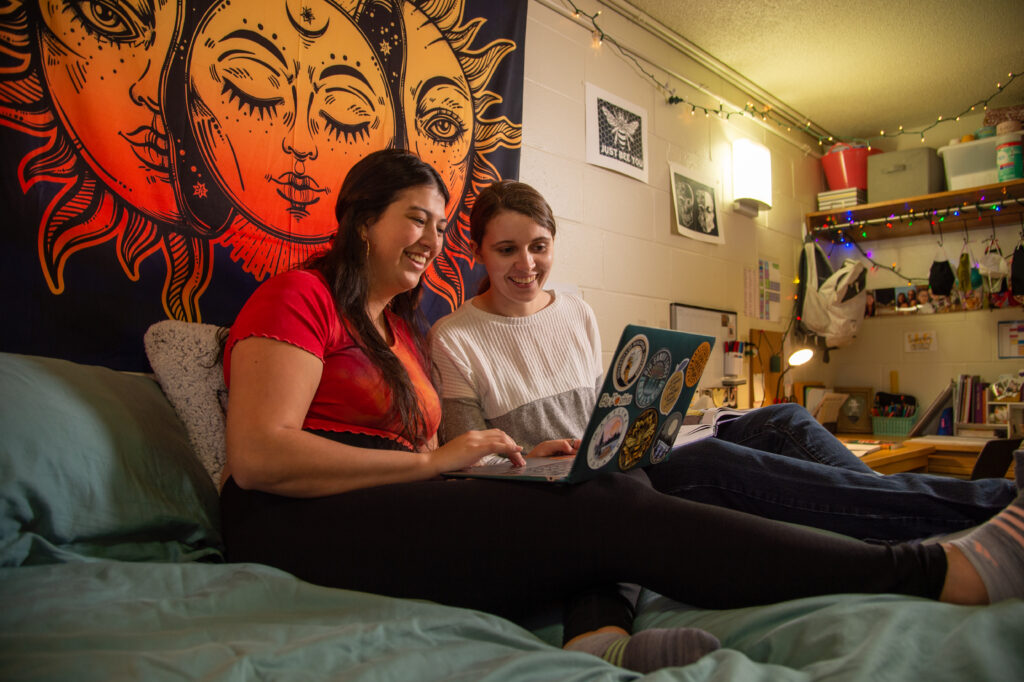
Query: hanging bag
(831, 303)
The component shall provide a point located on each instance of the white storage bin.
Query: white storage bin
(972, 164)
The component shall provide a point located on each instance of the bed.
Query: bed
(111, 568)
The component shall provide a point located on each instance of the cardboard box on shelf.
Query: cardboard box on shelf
(906, 173)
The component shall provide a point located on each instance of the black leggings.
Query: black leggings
(507, 547)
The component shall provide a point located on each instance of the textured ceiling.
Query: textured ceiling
(856, 67)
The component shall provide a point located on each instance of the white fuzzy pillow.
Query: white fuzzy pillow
(185, 359)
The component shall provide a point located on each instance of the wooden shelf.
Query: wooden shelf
(913, 216)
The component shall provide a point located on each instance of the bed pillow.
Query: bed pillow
(95, 463)
(185, 357)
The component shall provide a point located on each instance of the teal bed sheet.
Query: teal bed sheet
(110, 620)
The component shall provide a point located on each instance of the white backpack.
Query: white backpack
(830, 304)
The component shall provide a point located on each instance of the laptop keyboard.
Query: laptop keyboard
(559, 468)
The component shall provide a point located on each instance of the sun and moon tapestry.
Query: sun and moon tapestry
(162, 158)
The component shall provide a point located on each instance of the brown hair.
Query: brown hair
(507, 195)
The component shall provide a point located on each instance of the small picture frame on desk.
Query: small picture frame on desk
(855, 414)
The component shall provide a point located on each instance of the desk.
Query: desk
(946, 456)
(953, 456)
(903, 457)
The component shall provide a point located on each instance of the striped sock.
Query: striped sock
(648, 650)
(996, 550)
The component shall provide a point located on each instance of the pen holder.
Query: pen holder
(733, 364)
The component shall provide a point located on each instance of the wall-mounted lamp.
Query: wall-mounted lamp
(751, 177)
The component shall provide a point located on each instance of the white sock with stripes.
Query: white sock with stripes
(996, 550)
(648, 650)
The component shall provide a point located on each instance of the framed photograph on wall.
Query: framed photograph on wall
(855, 413)
(616, 134)
(695, 208)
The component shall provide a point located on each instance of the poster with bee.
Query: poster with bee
(616, 134)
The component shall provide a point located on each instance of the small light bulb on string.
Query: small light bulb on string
(596, 39)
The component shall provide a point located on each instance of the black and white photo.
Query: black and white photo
(695, 208)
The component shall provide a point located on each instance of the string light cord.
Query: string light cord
(765, 112)
(664, 87)
(835, 229)
(852, 243)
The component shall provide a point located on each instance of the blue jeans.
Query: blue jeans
(779, 463)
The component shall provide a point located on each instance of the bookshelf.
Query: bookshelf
(976, 415)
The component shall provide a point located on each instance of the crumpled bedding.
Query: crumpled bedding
(107, 620)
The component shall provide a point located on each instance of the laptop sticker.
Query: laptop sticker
(697, 362)
(673, 387)
(615, 399)
(630, 362)
(666, 436)
(652, 380)
(638, 439)
(610, 434)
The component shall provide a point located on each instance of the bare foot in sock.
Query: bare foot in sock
(995, 551)
(647, 650)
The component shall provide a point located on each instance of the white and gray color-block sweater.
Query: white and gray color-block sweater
(534, 377)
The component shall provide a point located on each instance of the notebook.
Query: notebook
(638, 412)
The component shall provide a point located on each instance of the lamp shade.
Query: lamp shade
(800, 356)
(751, 177)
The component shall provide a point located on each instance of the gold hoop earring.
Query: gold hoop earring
(362, 235)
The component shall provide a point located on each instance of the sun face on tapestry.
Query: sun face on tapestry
(213, 134)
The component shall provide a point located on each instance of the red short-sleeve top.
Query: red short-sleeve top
(297, 307)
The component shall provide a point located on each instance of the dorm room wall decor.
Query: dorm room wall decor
(162, 158)
(616, 134)
(695, 207)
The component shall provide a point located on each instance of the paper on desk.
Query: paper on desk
(828, 409)
(861, 449)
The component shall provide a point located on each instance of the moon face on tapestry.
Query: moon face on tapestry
(191, 129)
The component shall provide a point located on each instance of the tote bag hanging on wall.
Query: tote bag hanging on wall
(830, 302)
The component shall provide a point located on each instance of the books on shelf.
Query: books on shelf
(971, 418)
(841, 198)
(969, 399)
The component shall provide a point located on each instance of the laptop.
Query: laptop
(638, 412)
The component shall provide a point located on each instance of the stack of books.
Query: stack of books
(841, 198)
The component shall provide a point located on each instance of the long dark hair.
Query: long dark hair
(507, 195)
(369, 188)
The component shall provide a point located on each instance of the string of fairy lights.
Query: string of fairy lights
(766, 113)
(847, 233)
(839, 232)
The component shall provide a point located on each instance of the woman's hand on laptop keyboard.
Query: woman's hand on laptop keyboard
(560, 447)
(465, 450)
